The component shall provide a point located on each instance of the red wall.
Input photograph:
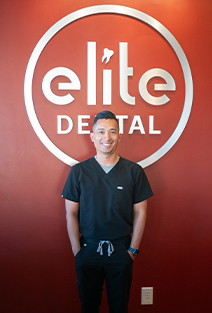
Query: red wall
(36, 263)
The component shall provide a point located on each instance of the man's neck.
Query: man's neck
(107, 160)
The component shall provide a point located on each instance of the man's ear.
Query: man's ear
(91, 136)
(120, 135)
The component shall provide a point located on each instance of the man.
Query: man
(101, 194)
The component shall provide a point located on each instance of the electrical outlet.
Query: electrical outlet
(147, 295)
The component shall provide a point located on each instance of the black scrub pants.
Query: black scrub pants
(93, 268)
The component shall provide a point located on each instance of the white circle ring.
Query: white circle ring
(113, 9)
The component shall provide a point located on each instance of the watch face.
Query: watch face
(135, 252)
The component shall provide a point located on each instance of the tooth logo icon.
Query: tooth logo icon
(107, 55)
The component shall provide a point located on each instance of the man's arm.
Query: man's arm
(72, 209)
(140, 215)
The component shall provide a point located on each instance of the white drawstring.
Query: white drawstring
(109, 250)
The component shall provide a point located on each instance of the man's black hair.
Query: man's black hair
(105, 115)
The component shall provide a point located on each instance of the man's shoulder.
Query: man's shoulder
(83, 164)
(130, 164)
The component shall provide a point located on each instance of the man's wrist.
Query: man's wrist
(76, 248)
(76, 251)
(135, 252)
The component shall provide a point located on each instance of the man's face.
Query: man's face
(106, 136)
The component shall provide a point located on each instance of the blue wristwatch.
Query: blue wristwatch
(135, 252)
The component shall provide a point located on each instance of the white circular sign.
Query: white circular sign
(121, 10)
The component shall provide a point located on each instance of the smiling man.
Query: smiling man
(101, 195)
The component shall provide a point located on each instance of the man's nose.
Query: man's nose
(107, 135)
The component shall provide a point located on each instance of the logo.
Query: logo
(108, 57)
